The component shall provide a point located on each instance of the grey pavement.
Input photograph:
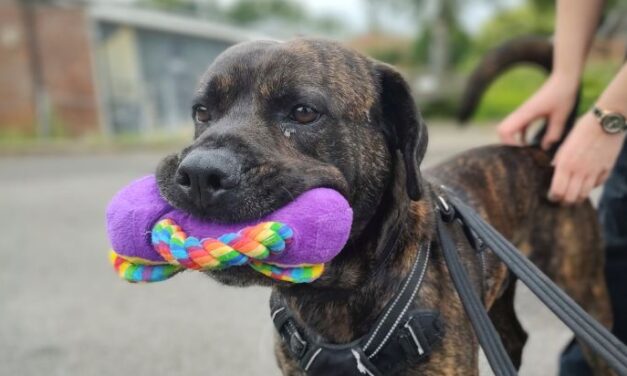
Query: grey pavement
(63, 311)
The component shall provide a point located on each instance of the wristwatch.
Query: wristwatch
(611, 122)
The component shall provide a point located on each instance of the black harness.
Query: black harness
(402, 336)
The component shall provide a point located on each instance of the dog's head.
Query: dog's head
(273, 120)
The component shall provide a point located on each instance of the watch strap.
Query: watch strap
(597, 112)
(601, 115)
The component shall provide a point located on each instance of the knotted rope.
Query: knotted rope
(249, 246)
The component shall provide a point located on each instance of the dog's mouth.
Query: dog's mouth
(261, 190)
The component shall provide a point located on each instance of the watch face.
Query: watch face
(613, 123)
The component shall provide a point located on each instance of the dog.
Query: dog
(275, 119)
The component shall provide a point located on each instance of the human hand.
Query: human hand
(584, 161)
(553, 101)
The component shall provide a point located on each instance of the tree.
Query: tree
(442, 41)
(202, 8)
(534, 18)
(250, 11)
(176, 5)
(459, 46)
(441, 24)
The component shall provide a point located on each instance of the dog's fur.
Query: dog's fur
(368, 144)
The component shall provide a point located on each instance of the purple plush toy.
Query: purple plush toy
(152, 241)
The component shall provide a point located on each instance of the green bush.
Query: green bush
(439, 108)
(460, 46)
(513, 88)
(511, 23)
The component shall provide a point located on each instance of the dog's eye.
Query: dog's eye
(304, 114)
(201, 114)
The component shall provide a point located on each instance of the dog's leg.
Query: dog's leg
(566, 244)
(506, 322)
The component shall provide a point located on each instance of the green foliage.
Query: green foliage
(511, 23)
(420, 48)
(513, 88)
(250, 11)
(392, 56)
(443, 107)
(595, 79)
(509, 92)
(329, 24)
(543, 5)
(172, 5)
(460, 45)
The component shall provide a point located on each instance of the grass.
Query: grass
(15, 143)
(515, 86)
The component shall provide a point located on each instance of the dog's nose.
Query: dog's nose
(204, 174)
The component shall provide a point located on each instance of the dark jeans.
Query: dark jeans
(613, 217)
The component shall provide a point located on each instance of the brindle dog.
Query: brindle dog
(275, 119)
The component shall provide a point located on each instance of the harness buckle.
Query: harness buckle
(297, 345)
(420, 333)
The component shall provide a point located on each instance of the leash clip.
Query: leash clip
(446, 210)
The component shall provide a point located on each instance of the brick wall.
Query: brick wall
(63, 39)
(17, 110)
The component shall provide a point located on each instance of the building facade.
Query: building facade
(72, 70)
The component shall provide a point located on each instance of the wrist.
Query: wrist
(608, 104)
(567, 82)
(588, 127)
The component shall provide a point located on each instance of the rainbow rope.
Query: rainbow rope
(249, 246)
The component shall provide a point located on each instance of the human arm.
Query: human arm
(588, 155)
(575, 24)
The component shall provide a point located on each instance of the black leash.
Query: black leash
(487, 335)
(586, 329)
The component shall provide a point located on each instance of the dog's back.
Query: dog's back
(509, 186)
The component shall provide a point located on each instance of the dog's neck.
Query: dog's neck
(367, 274)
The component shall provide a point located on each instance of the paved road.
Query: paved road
(64, 312)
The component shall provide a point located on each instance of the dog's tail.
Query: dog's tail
(532, 50)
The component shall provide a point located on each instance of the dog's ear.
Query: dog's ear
(403, 125)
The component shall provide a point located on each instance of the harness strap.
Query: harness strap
(586, 329)
(487, 335)
(400, 337)
(398, 306)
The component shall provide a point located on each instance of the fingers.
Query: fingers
(586, 187)
(602, 178)
(515, 124)
(554, 130)
(559, 185)
(569, 188)
(573, 190)
(508, 130)
(591, 182)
